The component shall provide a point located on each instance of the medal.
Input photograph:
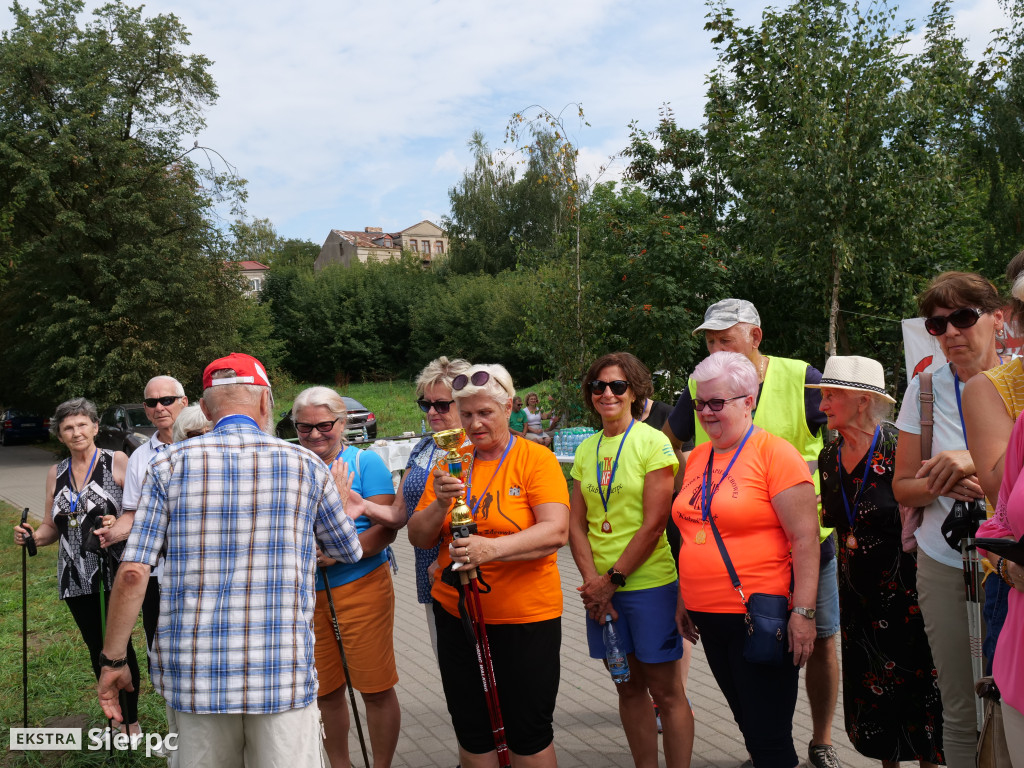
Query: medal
(701, 536)
(606, 527)
(851, 542)
(72, 522)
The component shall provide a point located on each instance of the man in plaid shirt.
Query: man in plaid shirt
(236, 512)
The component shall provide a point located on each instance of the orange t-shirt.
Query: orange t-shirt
(743, 512)
(521, 590)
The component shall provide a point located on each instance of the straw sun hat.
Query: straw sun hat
(853, 372)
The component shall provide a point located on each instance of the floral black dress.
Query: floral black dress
(890, 691)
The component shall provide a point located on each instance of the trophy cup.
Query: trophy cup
(451, 440)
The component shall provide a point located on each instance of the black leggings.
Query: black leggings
(86, 611)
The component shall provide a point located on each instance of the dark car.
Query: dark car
(124, 427)
(359, 417)
(21, 426)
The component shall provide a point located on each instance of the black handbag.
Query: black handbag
(766, 616)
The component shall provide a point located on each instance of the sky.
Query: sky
(344, 114)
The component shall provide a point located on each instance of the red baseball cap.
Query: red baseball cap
(248, 370)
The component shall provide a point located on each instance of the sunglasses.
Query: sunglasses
(960, 318)
(618, 387)
(441, 406)
(151, 402)
(323, 427)
(715, 404)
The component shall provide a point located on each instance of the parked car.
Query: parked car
(124, 428)
(21, 426)
(359, 416)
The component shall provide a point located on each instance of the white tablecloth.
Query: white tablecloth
(395, 454)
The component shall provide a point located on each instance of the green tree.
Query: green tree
(111, 268)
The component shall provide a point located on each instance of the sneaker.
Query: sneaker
(822, 756)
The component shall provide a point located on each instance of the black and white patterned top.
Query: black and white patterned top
(78, 572)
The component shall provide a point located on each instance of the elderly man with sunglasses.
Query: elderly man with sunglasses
(787, 409)
(164, 398)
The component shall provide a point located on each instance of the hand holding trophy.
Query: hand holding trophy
(458, 466)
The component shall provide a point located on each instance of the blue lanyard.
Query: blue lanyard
(469, 480)
(959, 406)
(852, 515)
(75, 493)
(708, 491)
(611, 478)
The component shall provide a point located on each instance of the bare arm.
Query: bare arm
(545, 536)
(375, 538)
(120, 467)
(125, 603)
(47, 532)
(988, 432)
(948, 473)
(798, 514)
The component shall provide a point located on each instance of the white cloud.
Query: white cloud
(346, 114)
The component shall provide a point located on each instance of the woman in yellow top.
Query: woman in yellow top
(620, 504)
(519, 503)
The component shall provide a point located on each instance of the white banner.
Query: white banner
(922, 352)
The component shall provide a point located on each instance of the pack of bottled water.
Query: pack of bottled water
(568, 440)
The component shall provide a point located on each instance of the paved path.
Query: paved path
(587, 729)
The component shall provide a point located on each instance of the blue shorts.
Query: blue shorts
(646, 625)
(826, 616)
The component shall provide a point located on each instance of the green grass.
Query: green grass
(61, 688)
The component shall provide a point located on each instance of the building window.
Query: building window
(255, 284)
(387, 242)
(413, 247)
(438, 247)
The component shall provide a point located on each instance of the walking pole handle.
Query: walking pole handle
(30, 542)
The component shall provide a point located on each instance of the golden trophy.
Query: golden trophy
(458, 466)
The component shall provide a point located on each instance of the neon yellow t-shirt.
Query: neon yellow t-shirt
(645, 450)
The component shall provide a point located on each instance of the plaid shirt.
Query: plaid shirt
(236, 512)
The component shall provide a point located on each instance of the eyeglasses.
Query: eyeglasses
(151, 402)
(441, 406)
(617, 387)
(323, 427)
(960, 318)
(478, 379)
(715, 404)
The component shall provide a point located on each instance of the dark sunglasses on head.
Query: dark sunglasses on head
(323, 427)
(617, 387)
(715, 404)
(960, 318)
(164, 401)
(441, 406)
(478, 379)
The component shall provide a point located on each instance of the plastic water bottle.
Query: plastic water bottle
(618, 665)
(366, 435)
(423, 426)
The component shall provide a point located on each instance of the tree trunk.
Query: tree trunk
(833, 314)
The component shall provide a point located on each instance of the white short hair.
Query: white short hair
(733, 367)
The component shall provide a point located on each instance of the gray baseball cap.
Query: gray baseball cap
(726, 313)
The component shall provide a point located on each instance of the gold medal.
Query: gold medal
(851, 541)
(606, 527)
(72, 522)
(701, 536)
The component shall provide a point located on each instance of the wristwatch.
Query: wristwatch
(617, 577)
(115, 663)
(807, 613)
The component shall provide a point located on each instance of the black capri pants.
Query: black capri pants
(527, 665)
(86, 611)
(762, 697)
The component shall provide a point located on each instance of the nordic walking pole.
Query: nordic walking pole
(344, 666)
(103, 631)
(28, 550)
